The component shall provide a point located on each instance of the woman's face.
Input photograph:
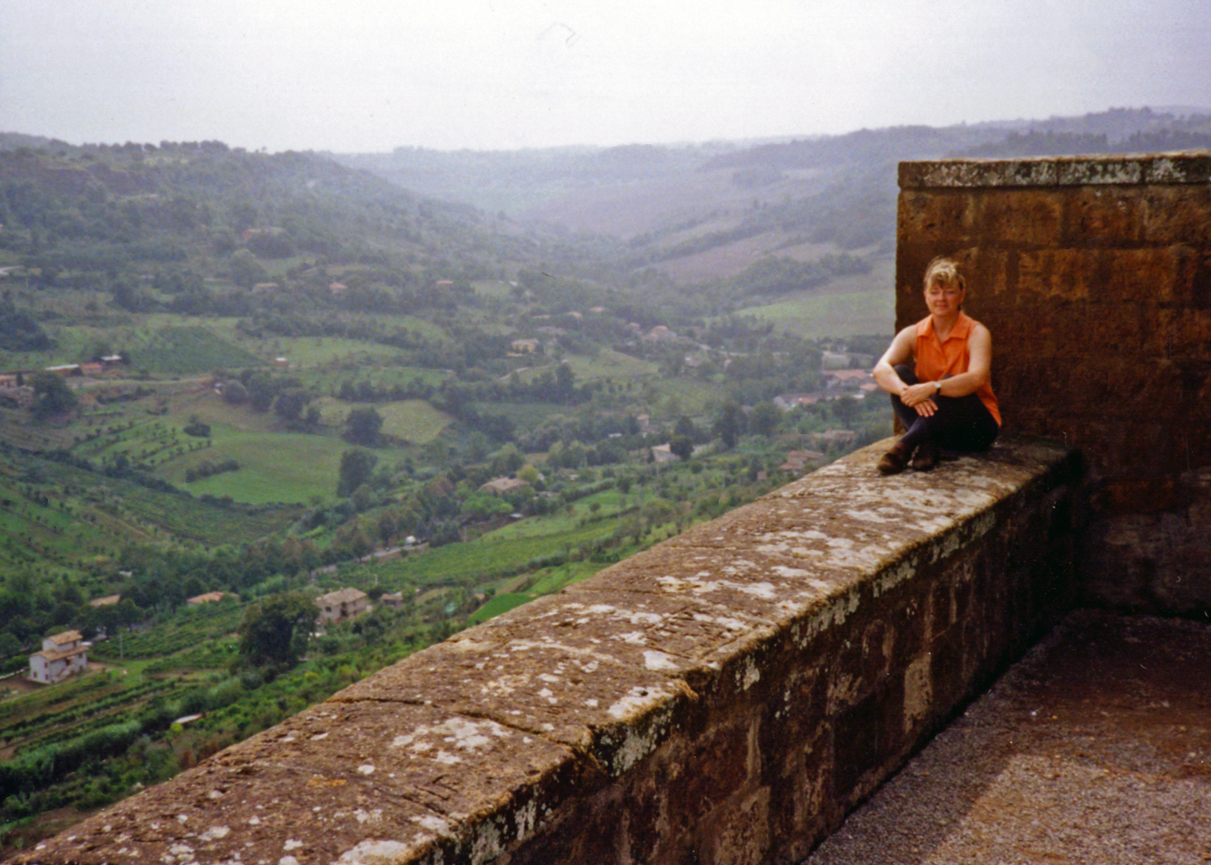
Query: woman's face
(943, 300)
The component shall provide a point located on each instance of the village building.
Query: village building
(834, 438)
(663, 454)
(208, 598)
(342, 604)
(61, 656)
(105, 601)
(660, 333)
(394, 600)
(843, 377)
(798, 462)
(501, 486)
(834, 360)
(67, 369)
(788, 401)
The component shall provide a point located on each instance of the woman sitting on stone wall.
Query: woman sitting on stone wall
(939, 374)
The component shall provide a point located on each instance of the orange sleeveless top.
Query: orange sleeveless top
(935, 359)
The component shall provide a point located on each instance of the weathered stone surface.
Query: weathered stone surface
(1186, 168)
(340, 782)
(724, 697)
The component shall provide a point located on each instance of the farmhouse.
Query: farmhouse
(341, 604)
(841, 377)
(834, 438)
(788, 401)
(65, 370)
(800, 461)
(663, 454)
(501, 486)
(207, 598)
(61, 655)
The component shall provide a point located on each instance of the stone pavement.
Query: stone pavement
(1095, 748)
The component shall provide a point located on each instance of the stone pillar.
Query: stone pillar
(1094, 275)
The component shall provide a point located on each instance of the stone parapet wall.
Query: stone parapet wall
(725, 697)
(1094, 276)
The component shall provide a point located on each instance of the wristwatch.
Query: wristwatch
(937, 387)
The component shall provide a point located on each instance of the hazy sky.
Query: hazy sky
(371, 75)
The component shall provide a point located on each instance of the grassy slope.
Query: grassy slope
(847, 306)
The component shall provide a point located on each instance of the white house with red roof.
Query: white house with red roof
(61, 655)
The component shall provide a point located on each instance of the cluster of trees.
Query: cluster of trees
(206, 469)
(18, 331)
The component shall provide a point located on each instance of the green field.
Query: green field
(847, 306)
(412, 420)
(610, 364)
(501, 603)
(309, 352)
(510, 550)
(685, 396)
(329, 379)
(190, 350)
(59, 513)
(282, 467)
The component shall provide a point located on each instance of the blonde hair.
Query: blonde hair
(944, 271)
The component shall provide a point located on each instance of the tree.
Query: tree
(290, 404)
(275, 631)
(730, 424)
(245, 270)
(362, 425)
(261, 391)
(765, 419)
(52, 396)
(507, 460)
(356, 466)
(234, 392)
(685, 427)
(682, 446)
(844, 409)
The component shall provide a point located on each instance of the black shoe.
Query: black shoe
(925, 458)
(894, 461)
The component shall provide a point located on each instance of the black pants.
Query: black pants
(961, 423)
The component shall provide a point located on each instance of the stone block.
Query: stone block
(1019, 217)
(1057, 275)
(1102, 216)
(1100, 170)
(740, 832)
(1174, 214)
(946, 667)
(1185, 169)
(940, 218)
(856, 747)
(978, 173)
(1178, 333)
(1151, 275)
